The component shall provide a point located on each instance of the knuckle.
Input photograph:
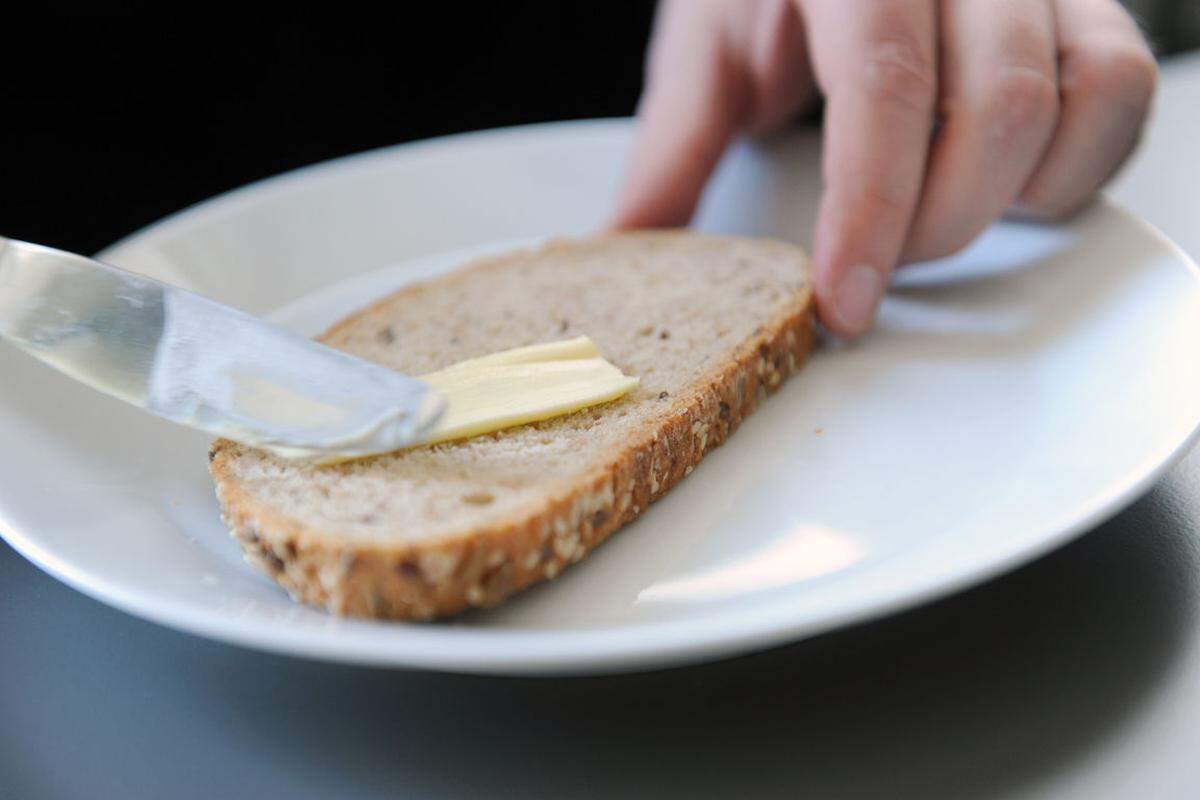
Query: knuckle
(1024, 103)
(900, 71)
(1113, 70)
(1026, 28)
(887, 200)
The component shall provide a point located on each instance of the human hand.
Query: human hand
(1036, 103)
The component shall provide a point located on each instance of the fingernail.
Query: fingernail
(857, 295)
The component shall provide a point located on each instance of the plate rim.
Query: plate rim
(599, 650)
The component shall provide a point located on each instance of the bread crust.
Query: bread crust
(421, 580)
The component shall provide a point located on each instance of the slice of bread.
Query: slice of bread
(709, 325)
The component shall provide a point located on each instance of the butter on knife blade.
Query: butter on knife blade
(512, 387)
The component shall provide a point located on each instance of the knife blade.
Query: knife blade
(196, 362)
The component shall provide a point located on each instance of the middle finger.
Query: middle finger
(998, 109)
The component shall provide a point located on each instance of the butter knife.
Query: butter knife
(199, 363)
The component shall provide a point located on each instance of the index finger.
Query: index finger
(875, 61)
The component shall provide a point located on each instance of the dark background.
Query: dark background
(110, 119)
(113, 119)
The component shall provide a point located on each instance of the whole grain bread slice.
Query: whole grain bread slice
(710, 326)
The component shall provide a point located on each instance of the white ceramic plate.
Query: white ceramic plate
(1011, 398)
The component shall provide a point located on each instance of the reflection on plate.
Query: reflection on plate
(806, 552)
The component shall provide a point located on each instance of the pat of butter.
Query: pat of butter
(501, 390)
(527, 384)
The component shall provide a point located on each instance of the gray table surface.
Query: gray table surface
(1076, 676)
